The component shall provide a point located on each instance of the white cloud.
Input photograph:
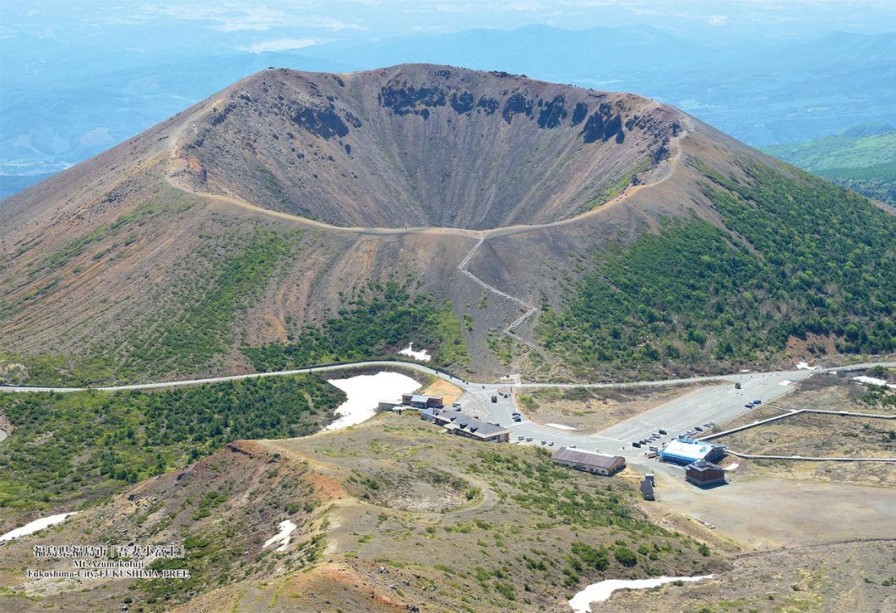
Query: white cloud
(239, 17)
(283, 44)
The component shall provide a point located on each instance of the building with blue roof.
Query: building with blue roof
(682, 451)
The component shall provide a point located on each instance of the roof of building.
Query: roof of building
(419, 398)
(477, 426)
(687, 450)
(586, 458)
(703, 465)
(442, 413)
(646, 487)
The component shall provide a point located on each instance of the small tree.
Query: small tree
(625, 556)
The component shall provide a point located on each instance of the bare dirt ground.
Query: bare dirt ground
(760, 512)
(593, 409)
(439, 387)
(846, 577)
(803, 536)
(819, 436)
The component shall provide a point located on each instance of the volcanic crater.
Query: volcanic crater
(422, 146)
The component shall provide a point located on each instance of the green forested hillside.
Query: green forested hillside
(377, 324)
(800, 256)
(861, 158)
(877, 181)
(67, 448)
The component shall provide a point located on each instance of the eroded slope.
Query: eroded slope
(420, 145)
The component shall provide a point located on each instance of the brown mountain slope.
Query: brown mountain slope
(110, 252)
(419, 145)
(274, 203)
(389, 516)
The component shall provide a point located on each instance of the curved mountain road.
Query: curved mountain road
(718, 402)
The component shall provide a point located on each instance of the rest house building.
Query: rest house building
(684, 452)
(467, 426)
(589, 461)
(704, 474)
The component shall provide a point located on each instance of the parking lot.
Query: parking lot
(716, 403)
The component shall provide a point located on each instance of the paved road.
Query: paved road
(719, 403)
(279, 373)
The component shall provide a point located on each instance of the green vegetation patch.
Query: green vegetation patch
(858, 147)
(878, 181)
(617, 538)
(67, 448)
(167, 202)
(198, 324)
(801, 256)
(862, 158)
(380, 322)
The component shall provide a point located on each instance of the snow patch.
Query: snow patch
(785, 382)
(561, 427)
(37, 524)
(599, 592)
(421, 355)
(733, 466)
(282, 537)
(805, 366)
(364, 393)
(873, 381)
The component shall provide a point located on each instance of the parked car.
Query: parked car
(551, 444)
(521, 438)
(529, 439)
(636, 444)
(663, 432)
(698, 428)
(749, 405)
(757, 401)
